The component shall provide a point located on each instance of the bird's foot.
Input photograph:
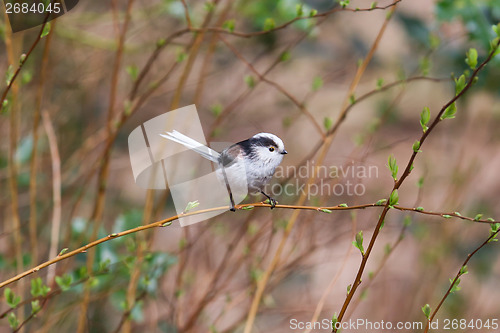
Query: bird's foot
(272, 202)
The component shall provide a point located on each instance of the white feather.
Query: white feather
(192, 144)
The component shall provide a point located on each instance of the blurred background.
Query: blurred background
(106, 67)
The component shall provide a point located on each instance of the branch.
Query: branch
(459, 273)
(398, 183)
(21, 64)
(288, 23)
(167, 222)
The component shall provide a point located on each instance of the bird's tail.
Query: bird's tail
(192, 144)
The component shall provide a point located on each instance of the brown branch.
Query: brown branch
(398, 183)
(186, 13)
(160, 223)
(56, 191)
(98, 208)
(21, 64)
(459, 273)
(33, 233)
(288, 23)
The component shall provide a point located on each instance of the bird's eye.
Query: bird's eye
(271, 149)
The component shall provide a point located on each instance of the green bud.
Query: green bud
(426, 309)
(394, 198)
(416, 147)
(425, 116)
(471, 59)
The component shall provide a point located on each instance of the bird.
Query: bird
(252, 161)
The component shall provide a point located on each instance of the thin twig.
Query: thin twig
(156, 224)
(398, 183)
(457, 276)
(56, 192)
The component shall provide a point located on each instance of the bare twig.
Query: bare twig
(399, 182)
(457, 276)
(56, 191)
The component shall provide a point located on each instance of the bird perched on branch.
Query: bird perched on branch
(251, 162)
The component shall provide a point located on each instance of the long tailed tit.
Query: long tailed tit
(254, 159)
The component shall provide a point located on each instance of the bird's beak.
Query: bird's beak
(284, 152)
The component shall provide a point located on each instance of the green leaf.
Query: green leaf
(216, 109)
(420, 209)
(494, 46)
(496, 29)
(446, 216)
(248, 207)
(420, 182)
(344, 3)
(161, 42)
(334, 319)
(313, 12)
(299, 9)
(381, 202)
(393, 166)
(352, 99)
(9, 74)
(373, 5)
(11, 299)
(324, 210)
(22, 59)
(269, 24)
(426, 309)
(343, 205)
(416, 147)
(285, 56)
(493, 230)
(328, 123)
(358, 242)
(317, 83)
(35, 306)
(464, 270)
(166, 224)
(250, 81)
(46, 30)
(450, 112)
(228, 25)
(191, 205)
(64, 282)
(181, 55)
(471, 59)
(349, 287)
(394, 198)
(478, 217)
(133, 71)
(459, 84)
(380, 83)
(13, 321)
(209, 6)
(425, 116)
(38, 288)
(63, 251)
(455, 286)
